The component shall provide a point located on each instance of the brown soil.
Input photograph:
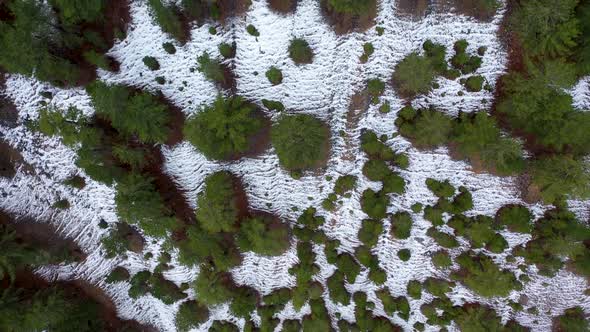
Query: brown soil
(78, 290)
(241, 197)
(463, 7)
(415, 8)
(344, 23)
(229, 79)
(359, 104)
(257, 143)
(8, 111)
(135, 242)
(529, 192)
(10, 158)
(283, 6)
(232, 8)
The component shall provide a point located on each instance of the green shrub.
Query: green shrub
(440, 188)
(426, 129)
(226, 50)
(273, 105)
(376, 170)
(374, 148)
(121, 238)
(438, 287)
(370, 232)
(516, 217)
(168, 18)
(291, 325)
(263, 235)
(393, 305)
(217, 209)
(414, 289)
(165, 290)
(97, 59)
(212, 287)
(118, 274)
(245, 300)
(483, 276)
(335, 285)
(475, 317)
(138, 202)
(443, 239)
(474, 83)
(462, 202)
(274, 75)
(573, 319)
(401, 225)
(348, 266)
(300, 52)
(462, 61)
(368, 50)
(225, 129)
(169, 48)
(221, 326)
(75, 181)
(151, 62)
(416, 207)
(413, 75)
(436, 53)
(211, 68)
(374, 204)
(201, 246)
(385, 108)
(375, 87)
(561, 175)
(344, 184)
(252, 30)
(441, 259)
(61, 204)
(190, 315)
(300, 141)
(404, 254)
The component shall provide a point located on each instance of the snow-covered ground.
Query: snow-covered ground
(324, 89)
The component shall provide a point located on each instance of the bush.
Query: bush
(300, 52)
(368, 50)
(169, 48)
(190, 315)
(479, 273)
(225, 129)
(374, 204)
(393, 305)
(376, 170)
(426, 128)
(414, 289)
(212, 287)
(443, 239)
(217, 209)
(436, 53)
(252, 30)
(443, 189)
(462, 61)
(404, 254)
(441, 259)
(374, 148)
(273, 105)
(348, 266)
(118, 274)
(335, 285)
(475, 317)
(211, 68)
(370, 232)
(561, 175)
(401, 225)
(168, 18)
(244, 302)
(516, 217)
(151, 62)
(97, 59)
(226, 50)
(375, 87)
(344, 184)
(263, 235)
(474, 83)
(138, 202)
(75, 181)
(462, 202)
(221, 326)
(413, 75)
(573, 319)
(201, 246)
(300, 141)
(165, 290)
(274, 75)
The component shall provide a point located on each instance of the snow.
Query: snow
(323, 89)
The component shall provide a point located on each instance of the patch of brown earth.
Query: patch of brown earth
(345, 22)
(8, 111)
(359, 104)
(414, 8)
(232, 8)
(283, 6)
(478, 9)
(10, 159)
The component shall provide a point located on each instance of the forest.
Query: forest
(530, 133)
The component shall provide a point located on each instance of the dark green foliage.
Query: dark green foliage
(201, 245)
(355, 7)
(300, 141)
(319, 320)
(376, 170)
(344, 184)
(336, 287)
(385, 108)
(478, 139)
(121, 238)
(252, 30)
(413, 75)
(462, 202)
(274, 75)
(165, 290)
(61, 204)
(139, 114)
(224, 129)
(300, 52)
(443, 189)
(77, 11)
(443, 239)
(441, 259)
(291, 325)
(401, 225)
(211, 68)
(393, 305)
(483, 276)
(190, 315)
(118, 274)
(374, 148)
(368, 50)
(97, 59)
(370, 232)
(168, 18)
(50, 309)
(263, 235)
(273, 105)
(217, 207)
(404, 254)
(213, 287)
(222, 326)
(151, 62)
(348, 266)
(475, 317)
(226, 50)
(416, 207)
(374, 204)
(244, 301)
(516, 218)
(375, 87)
(138, 202)
(438, 287)
(414, 289)
(557, 175)
(462, 61)
(573, 319)
(75, 181)
(169, 48)
(160, 80)
(436, 53)
(559, 234)
(434, 215)
(474, 83)
(426, 128)
(582, 52)
(310, 220)
(479, 230)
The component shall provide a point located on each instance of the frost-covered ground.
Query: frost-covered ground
(323, 88)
